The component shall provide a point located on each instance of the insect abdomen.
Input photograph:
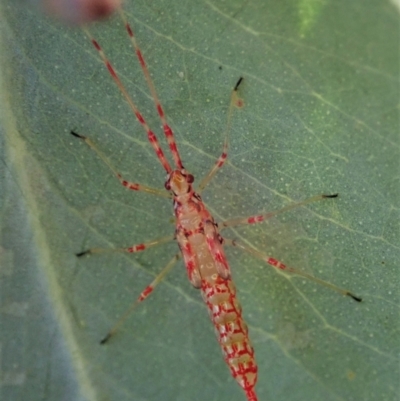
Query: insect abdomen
(226, 314)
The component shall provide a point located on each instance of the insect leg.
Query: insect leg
(131, 249)
(144, 294)
(279, 265)
(262, 217)
(130, 185)
(235, 100)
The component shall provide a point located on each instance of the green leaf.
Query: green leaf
(320, 115)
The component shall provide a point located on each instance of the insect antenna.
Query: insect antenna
(151, 136)
(167, 129)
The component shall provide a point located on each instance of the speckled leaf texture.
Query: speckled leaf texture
(320, 115)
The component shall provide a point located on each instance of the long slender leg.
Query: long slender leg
(151, 136)
(132, 249)
(262, 217)
(127, 184)
(144, 294)
(221, 160)
(279, 265)
(167, 129)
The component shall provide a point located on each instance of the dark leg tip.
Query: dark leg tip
(238, 83)
(105, 339)
(358, 299)
(82, 253)
(77, 135)
(331, 196)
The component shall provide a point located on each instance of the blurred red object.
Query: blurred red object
(78, 12)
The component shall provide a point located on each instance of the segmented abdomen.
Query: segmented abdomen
(226, 314)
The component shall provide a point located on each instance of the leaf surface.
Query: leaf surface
(320, 115)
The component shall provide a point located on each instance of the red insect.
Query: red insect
(198, 236)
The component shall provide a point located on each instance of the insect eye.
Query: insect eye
(167, 186)
(189, 178)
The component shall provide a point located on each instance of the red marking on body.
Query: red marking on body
(167, 131)
(135, 187)
(160, 153)
(140, 118)
(276, 263)
(129, 29)
(255, 219)
(219, 258)
(137, 248)
(251, 395)
(147, 291)
(111, 70)
(96, 45)
(140, 57)
(160, 112)
(190, 265)
(210, 243)
(221, 160)
(173, 147)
